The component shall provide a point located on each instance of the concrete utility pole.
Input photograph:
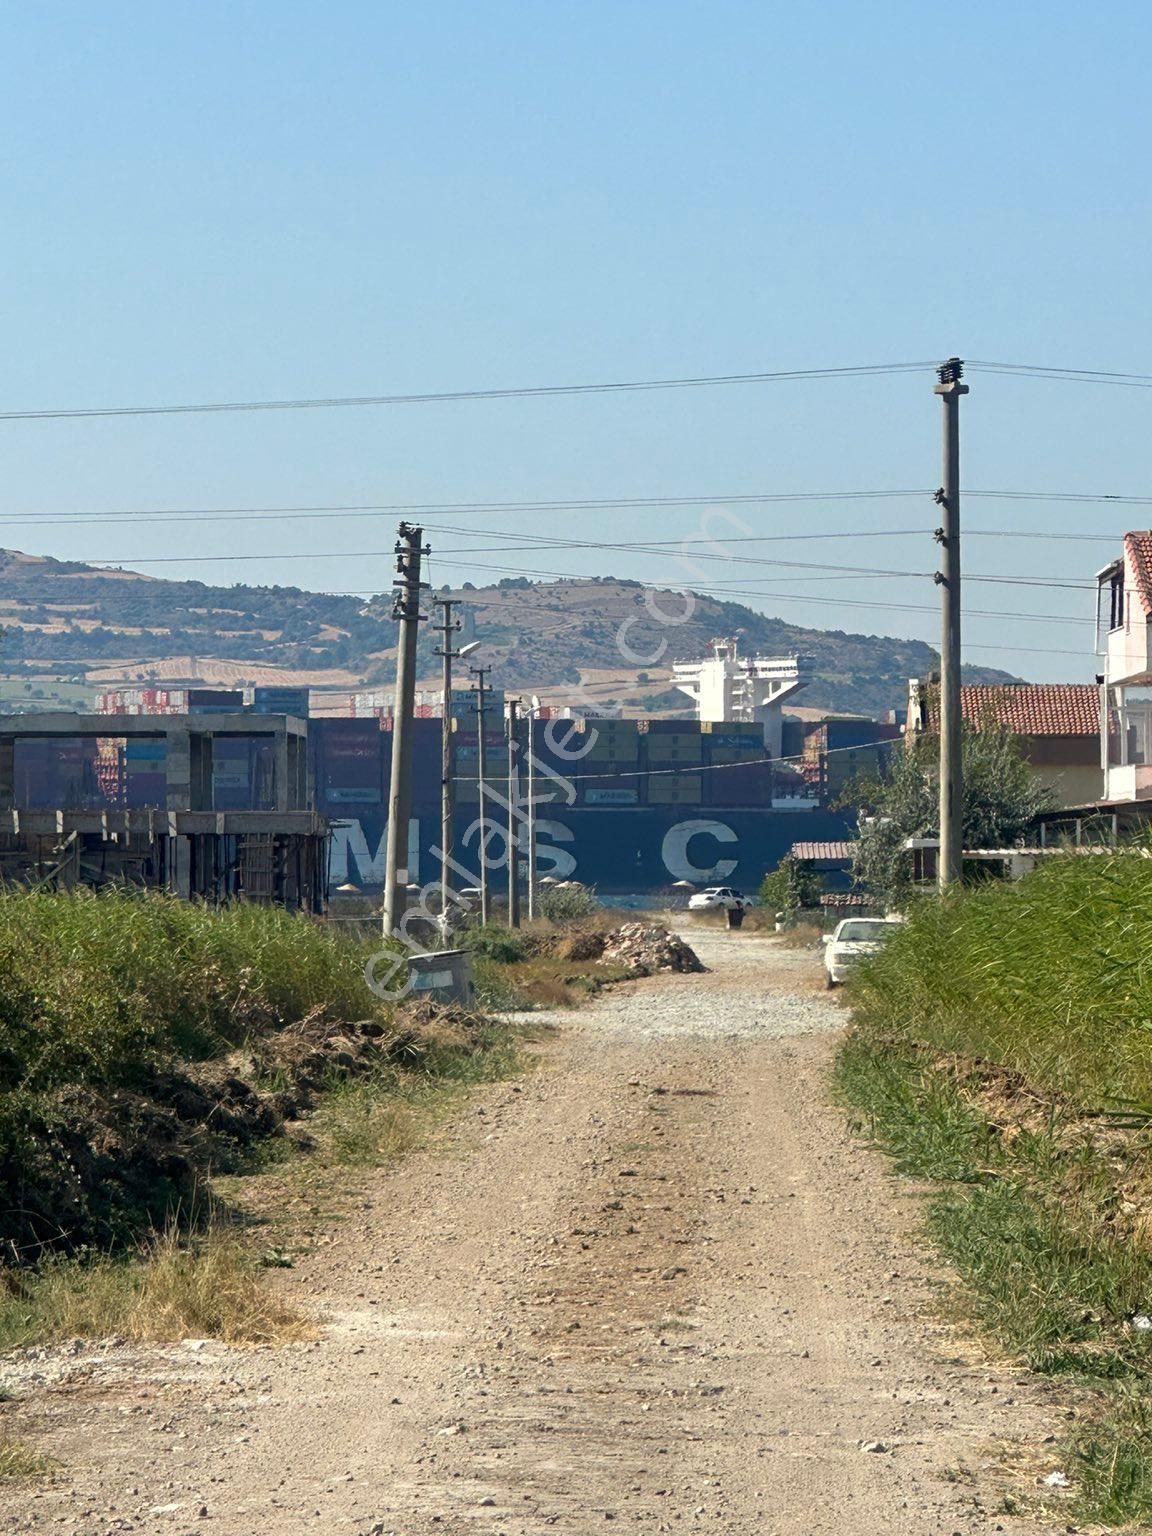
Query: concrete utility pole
(949, 870)
(533, 711)
(513, 813)
(480, 673)
(409, 553)
(447, 628)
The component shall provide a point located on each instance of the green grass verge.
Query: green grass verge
(1026, 1221)
(1050, 976)
(1002, 1050)
(109, 1002)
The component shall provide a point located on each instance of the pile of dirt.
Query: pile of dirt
(97, 1167)
(648, 947)
(581, 946)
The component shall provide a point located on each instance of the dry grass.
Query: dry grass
(18, 1462)
(361, 1126)
(803, 936)
(213, 1290)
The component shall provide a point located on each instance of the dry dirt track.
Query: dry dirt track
(654, 1286)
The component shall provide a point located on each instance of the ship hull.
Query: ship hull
(633, 850)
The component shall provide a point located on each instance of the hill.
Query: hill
(98, 627)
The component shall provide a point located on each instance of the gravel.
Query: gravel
(730, 1001)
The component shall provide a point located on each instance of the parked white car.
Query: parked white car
(852, 939)
(718, 896)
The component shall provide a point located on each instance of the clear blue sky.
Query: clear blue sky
(224, 200)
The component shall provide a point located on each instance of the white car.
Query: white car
(852, 939)
(718, 896)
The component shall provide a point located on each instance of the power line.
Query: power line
(1137, 501)
(1072, 538)
(607, 503)
(439, 397)
(369, 509)
(1067, 375)
(732, 589)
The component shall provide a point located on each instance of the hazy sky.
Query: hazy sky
(226, 201)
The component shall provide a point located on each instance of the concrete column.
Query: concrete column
(179, 771)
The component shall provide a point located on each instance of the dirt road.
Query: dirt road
(655, 1285)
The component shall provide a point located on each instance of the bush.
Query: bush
(790, 886)
(495, 942)
(568, 903)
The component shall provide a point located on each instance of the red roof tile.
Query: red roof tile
(1138, 548)
(1028, 709)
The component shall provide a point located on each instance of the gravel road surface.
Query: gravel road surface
(654, 1285)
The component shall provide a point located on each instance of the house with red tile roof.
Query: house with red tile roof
(1057, 726)
(1124, 636)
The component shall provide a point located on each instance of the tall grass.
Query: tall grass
(97, 984)
(19, 1462)
(104, 999)
(1002, 1048)
(1051, 976)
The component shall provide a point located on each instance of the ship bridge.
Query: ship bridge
(728, 686)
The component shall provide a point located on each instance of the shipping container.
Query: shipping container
(146, 791)
(675, 789)
(681, 746)
(739, 786)
(281, 701)
(215, 701)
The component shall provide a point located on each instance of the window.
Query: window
(1116, 613)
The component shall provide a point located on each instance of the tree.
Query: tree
(790, 886)
(1002, 798)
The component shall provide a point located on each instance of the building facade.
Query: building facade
(1057, 726)
(1124, 639)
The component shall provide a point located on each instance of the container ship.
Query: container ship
(629, 806)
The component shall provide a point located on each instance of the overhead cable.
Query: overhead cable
(441, 397)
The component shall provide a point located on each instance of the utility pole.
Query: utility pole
(447, 627)
(513, 813)
(949, 870)
(409, 553)
(480, 674)
(532, 713)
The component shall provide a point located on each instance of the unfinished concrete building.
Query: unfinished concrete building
(216, 807)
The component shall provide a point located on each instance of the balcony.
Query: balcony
(1128, 649)
(1128, 775)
